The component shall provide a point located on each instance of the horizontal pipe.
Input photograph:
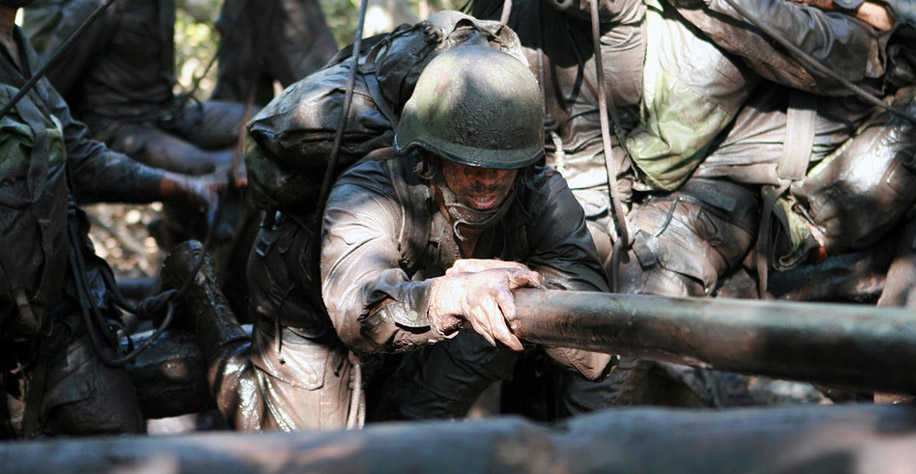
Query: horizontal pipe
(849, 345)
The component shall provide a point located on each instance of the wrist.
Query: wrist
(443, 321)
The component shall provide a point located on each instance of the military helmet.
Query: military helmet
(476, 106)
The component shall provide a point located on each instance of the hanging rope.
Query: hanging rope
(623, 234)
(342, 126)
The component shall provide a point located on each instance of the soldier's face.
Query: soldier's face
(483, 189)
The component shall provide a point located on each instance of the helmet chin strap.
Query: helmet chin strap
(467, 216)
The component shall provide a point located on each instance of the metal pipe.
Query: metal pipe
(848, 345)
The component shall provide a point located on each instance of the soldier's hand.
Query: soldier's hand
(483, 300)
(202, 190)
(481, 264)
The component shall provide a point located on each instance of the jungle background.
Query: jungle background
(119, 232)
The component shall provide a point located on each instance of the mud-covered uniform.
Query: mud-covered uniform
(682, 76)
(384, 237)
(43, 336)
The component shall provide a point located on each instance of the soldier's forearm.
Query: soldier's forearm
(874, 13)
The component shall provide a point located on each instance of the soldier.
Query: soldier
(415, 244)
(263, 42)
(836, 169)
(676, 93)
(56, 306)
(119, 78)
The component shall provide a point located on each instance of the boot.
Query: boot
(203, 309)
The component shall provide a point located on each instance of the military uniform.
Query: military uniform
(299, 355)
(119, 77)
(66, 387)
(682, 76)
(370, 254)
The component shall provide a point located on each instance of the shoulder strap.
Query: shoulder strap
(800, 127)
(413, 196)
(793, 165)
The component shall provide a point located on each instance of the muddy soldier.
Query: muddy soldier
(417, 243)
(674, 94)
(46, 357)
(119, 79)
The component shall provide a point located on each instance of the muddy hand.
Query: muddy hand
(482, 300)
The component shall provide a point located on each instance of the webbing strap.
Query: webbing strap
(793, 165)
(800, 124)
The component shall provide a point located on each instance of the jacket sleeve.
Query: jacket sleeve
(99, 174)
(562, 250)
(843, 44)
(371, 301)
(564, 254)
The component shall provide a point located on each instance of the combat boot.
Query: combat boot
(203, 308)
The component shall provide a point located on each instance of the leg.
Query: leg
(899, 286)
(684, 242)
(214, 124)
(854, 197)
(158, 148)
(443, 380)
(82, 395)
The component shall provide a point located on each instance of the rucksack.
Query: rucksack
(289, 142)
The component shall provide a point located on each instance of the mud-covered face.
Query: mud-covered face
(482, 189)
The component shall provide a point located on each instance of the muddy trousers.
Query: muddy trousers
(80, 394)
(683, 242)
(304, 384)
(443, 381)
(279, 377)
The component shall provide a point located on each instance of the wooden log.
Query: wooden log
(856, 346)
(804, 438)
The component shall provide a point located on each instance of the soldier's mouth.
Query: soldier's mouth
(483, 202)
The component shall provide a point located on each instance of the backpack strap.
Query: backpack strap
(413, 196)
(801, 119)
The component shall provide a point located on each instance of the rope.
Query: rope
(348, 99)
(623, 240)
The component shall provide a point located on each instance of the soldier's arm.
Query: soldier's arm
(564, 254)
(562, 250)
(874, 13)
(371, 301)
(842, 43)
(102, 175)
